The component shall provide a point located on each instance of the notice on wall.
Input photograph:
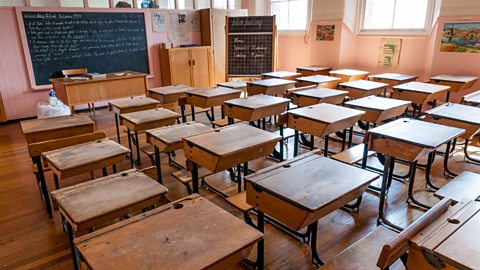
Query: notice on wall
(177, 25)
(159, 21)
(325, 32)
(389, 52)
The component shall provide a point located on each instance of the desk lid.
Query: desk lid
(124, 103)
(364, 85)
(320, 93)
(457, 112)
(349, 72)
(213, 92)
(428, 88)
(281, 74)
(377, 103)
(52, 123)
(191, 233)
(318, 79)
(151, 115)
(175, 134)
(271, 82)
(311, 181)
(99, 197)
(454, 78)
(171, 89)
(257, 101)
(314, 68)
(231, 139)
(326, 113)
(416, 132)
(395, 76)
(234, 84)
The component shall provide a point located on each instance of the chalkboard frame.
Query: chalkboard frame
(273, 32)
(26, 50)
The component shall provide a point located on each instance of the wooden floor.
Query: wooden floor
(30, 240)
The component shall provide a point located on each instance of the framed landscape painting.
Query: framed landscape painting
(460, 37)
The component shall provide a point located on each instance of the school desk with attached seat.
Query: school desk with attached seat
(320, 81)
(419, 94)
(314, 96)
(272, 87)
(347, 75)
(362, 88)
(286, 75)
(313, 70)
(168, 94)
(393, 79)
(456, 83)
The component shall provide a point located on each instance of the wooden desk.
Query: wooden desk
(168, 139)
(38, 130)
(300, 203)
(286, 75)
(409, 140)
(82, 158)
(93, 203)
(143, 120)
(209, 98)
(224, 148)
(75, 92)
(128, 105)
(419, 93)
(472, 99)
(319, 80)
(460, 116)
(313, 70)
(347, 75)
(191, 233)
(239, 85)
(378, 109)
(456, 83)
(321, 120)
(393, 79)
(363, 88)
(255, 107)
(465, 186)
(450, 241)
(314, 96)
(271, 87)
(168, 94)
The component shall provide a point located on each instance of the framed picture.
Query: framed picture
(325, 32)
(460, 37)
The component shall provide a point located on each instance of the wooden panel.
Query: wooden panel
(202, 74)
(3, 117)
(180, 67)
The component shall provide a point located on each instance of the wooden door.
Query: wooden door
(180, 67)
(201, 60)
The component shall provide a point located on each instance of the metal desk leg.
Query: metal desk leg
(467, 156)
(325, 148)
(230, 120)
(383, 193)
(313, 244)
(350, 137)
(193, 112)
(344, 139)
(182, 109)
(137, 145)
(157, 164)
(73, 250)
(411, 183)
(104, 171)
(195, 177)
(222, 111)
(239, 178)
(431, 158)
(117, 125)
(43, 185)
(445, 160)
(130, 147)
(295, 144)
(245, 173)
(312, 142)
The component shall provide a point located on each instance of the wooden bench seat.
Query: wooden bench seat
(185, 176)
(465, 185)
(223, 122)
(149, 150)
(352, 155)
(239, 201)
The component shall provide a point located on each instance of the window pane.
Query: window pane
(71, 3)
(166, 4)
(123, 3)
(185, 4)
(202, 4)
(280, 9)
(291, 15)
(145, 3)
(17, 3)
(410, 14)
(234, 4)
(378, 14)
(220, 4)
(98, 3)
(43, 3)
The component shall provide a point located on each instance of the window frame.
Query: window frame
(291, 31)
(361, 31)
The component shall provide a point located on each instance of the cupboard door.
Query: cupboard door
(201, 67)
(180, 67)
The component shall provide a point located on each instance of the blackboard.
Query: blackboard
(250, 45)
(99, 41)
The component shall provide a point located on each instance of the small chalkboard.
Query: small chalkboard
(99, 41)
(250, 45)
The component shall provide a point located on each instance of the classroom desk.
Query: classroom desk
(143, 120)
(321, 120)
(170, 138)
(314, 96)
(209, 98)
(363, 88)
(465, 186)
(418, 93)
(409, 140)
(286, 75)
(460, 116)
(91, 204)
(168, 94)
(456, 83)
(239, 85)
(320, 81)
(313, 70)
(393, 79)
(191, 233)
(253, 108)
(347, 75)
(271, 87)
(378, 109)
(128, 105)
(85, 157)
(224, 148)
(38, 130)
(451, 242)
(472, 99)
(300, 203)
(77, 92)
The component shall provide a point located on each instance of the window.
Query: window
(71, 3)
(170, 4)
(224, 4)
(44, 3)
(185, 4)
(291, 14)
(18, 3)
(396, 16)
(202, 4)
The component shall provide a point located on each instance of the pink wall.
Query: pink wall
(20, 100)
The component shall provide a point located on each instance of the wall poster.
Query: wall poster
(389, 53)
(460, 37)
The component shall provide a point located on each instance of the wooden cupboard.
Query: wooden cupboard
(3, 117)
(189, 66)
